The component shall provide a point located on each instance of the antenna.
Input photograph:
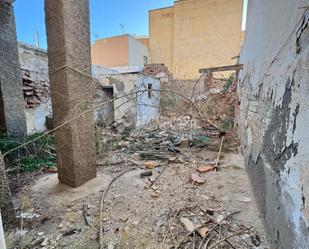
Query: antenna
(37, 38)
(122, 28)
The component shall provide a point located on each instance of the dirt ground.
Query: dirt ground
(136, 216)
(166, 210)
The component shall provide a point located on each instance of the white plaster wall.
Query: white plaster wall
(270, 58)
(147, 108)
(137, 51)
(36, 118)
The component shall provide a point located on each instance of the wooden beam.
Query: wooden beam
(221, 69)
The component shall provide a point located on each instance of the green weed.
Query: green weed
(34, 156)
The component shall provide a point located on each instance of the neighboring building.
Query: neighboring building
(143, 39)
(108, 84)
(119, 52)
(141, 101)
(195, 34)
(274, 117)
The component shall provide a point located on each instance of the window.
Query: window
(145, 60)
(149, 88)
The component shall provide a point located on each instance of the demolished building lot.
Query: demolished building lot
(151, 142)
(176, 182)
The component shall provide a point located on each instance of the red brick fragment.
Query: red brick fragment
(52, 170)
(205, 169)
(197, 179)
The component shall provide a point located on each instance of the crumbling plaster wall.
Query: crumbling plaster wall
(131, 98)
(123, 85)
(34, 66)
(161, 26)
(34, 60)
(274, 115)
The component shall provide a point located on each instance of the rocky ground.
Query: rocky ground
(173, 193)
(176, 206)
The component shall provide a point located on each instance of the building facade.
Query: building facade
(195, 34)
(119, 51)
(107, 83)
(143, 39)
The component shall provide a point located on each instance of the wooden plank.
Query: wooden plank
(221, 69)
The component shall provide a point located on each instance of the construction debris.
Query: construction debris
(159, 71)
(195, 178)
(205, 169)
(146, 174)
(35, 92)
(188, 224)
(172, 206)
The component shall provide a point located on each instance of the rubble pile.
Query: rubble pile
(209, 100)
(155, 69)
(209, 227)
(178, 192)
(219, 107)
(159, 71)
(161, 139)
(167, 147)
(35, 92)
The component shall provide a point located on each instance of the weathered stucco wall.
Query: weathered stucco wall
(138, 106)
(195, 34)
(274, 115)
(148, 103)
(34, 65)
(161, 25)
(207, 33)
(123, 84)
(34, 60)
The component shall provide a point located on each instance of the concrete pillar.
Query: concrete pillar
(12, 114)
(68, 36)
